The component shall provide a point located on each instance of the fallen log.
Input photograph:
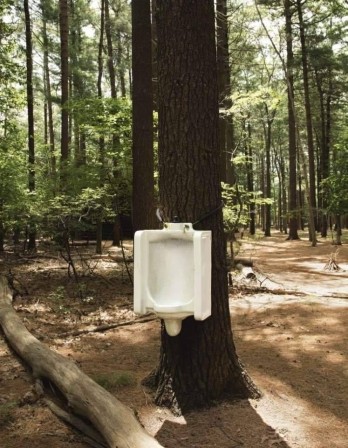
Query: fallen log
(114, 421)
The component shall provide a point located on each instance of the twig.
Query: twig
(106, 327)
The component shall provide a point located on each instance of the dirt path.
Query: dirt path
(294, 346)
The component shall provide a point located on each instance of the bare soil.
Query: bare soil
(290, 327)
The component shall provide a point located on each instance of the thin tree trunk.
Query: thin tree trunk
(325, 148)
(99, 245)
(338, 227)
(324, 155)
(48, 96)
(115, 140)
(30, 111)
(282, 187)
(110, 51)
(268, 189)
(250, 180)
(120, 67)
(64, 55)
(2, 233)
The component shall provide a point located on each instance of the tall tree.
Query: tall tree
(250, 177)
(143, 159)
(64, 57)
(288, 12)
(49, 128)
(101, 141)
(200, 364)
(308, 109)
(113, 91)
(78, 83)
(110, 50)
(30, 110)
(226, 136)
(269, 117)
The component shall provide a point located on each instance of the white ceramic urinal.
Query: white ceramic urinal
(172, 274)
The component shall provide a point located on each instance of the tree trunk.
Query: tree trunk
(2, 237)
(99, 230)
(110, 417)
(143, 158)
(199, 365)
(263, 189)
(325, 147)
(120, 68)
(116, 241)
(226, 124)
(324, 154)
(268, 142)
(338, 227)
(48, 95)
(310, 141)
(30, 110)
(77, 82)
(110, 51)
(250, 180)
(279, 159)
(223, 70)
(64, 55)
(293, 235)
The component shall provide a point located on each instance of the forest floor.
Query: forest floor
(290, 324)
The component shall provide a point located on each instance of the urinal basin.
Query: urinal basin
(172, 274)
(172, 308)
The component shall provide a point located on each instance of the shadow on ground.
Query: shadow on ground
(229, 425)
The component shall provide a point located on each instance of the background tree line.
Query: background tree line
(71, 157)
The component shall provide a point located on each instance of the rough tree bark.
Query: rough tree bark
(200, 365)
(30, 110)
(110, 417)
(308, 108)
(226, 124)
(143, 212)
(47, 89)
(292, 210)
(250, 178)
(99, 229)
(64, 56)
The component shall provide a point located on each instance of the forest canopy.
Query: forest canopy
(66, 90)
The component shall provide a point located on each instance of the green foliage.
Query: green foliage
(14, 196)
(57, 299)
(237, 205)
(335, 187)
(246, 102)
(64, 214)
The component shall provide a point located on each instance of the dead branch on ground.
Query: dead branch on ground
(332, 265)
(114, 421)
